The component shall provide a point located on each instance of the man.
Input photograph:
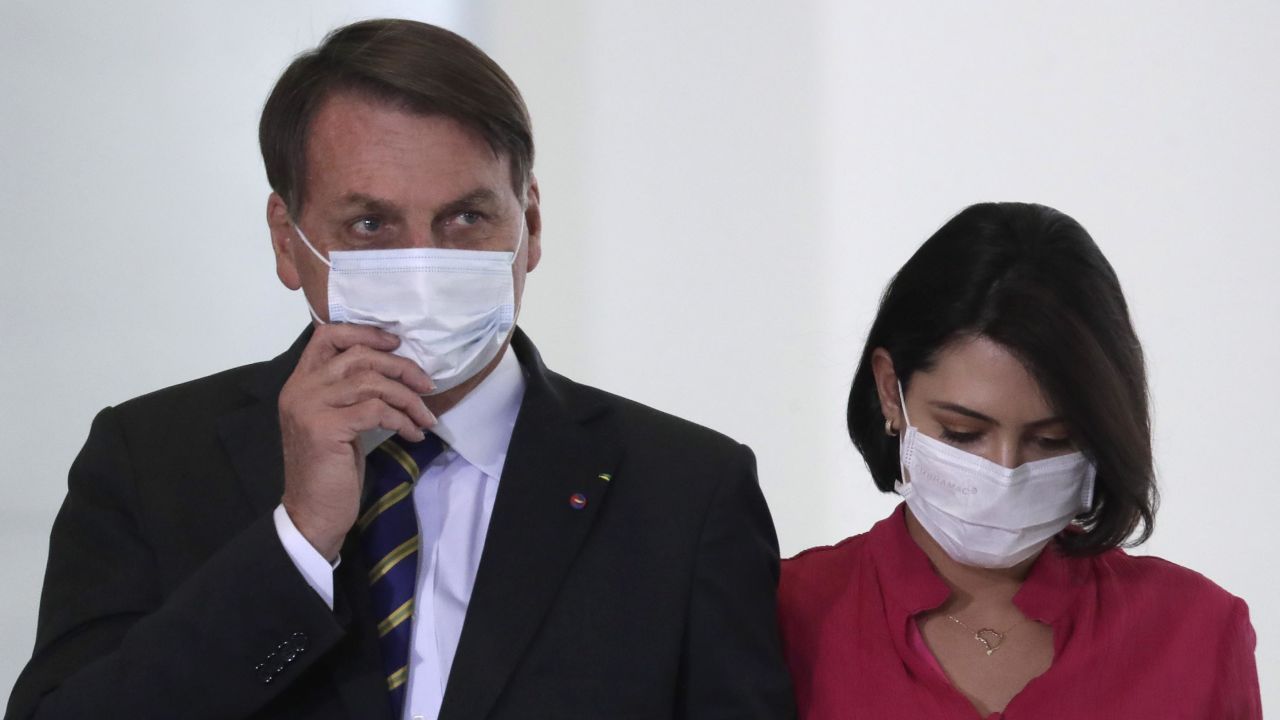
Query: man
(254, 544)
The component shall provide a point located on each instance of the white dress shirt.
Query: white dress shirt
(454, 500)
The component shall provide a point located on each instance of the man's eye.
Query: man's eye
(469, 218)
(367, 225)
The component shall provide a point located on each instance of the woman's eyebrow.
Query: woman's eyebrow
(962, 410)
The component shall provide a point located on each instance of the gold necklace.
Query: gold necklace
(990, 639)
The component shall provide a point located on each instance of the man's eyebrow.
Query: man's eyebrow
(962, 410)
(477, 197)
(370, 203)
(480, 197)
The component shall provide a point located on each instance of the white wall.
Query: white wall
(727, 186)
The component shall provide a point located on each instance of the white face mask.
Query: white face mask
(451, 309)
(985, 514)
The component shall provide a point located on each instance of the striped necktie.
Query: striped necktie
(389, 540)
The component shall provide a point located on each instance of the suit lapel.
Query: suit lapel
(251, 434)
(553, 485)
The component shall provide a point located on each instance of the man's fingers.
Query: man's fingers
(330, 340)
(361, 359)
(372, 385)
(376, 413)
(350, 370)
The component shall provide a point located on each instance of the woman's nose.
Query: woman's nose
(1008, 452)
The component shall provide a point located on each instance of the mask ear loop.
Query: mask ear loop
(902, 436)
(524, 230)
(303, 237)
(902, 400)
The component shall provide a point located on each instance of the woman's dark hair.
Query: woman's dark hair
(1032, 280)
(421, 68)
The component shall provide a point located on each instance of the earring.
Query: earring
(888, 428)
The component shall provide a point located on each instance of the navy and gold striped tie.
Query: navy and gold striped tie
(389, 538)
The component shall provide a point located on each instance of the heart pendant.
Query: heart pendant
(990, 639)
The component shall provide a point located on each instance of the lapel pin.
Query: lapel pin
(605, 477)
(577, 501)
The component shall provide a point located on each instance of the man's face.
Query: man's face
(379, 177)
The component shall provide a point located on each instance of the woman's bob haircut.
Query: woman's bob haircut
(1032, 280)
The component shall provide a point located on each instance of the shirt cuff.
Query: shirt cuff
(314, 568)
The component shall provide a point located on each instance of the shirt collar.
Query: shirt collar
(913, 586)
(479, 427)
(906, 575)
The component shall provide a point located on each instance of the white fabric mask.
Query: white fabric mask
(451, 309)
(982, 513)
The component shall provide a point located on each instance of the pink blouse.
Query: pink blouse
(1134, 637)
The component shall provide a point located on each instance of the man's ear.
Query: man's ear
(280, 224)
(533, 221)
(887, 387)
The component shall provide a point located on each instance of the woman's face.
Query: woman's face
(979, 398)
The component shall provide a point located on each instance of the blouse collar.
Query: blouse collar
(913, 586)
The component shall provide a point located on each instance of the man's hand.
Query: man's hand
(346, 382)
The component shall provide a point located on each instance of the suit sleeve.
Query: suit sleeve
(732, 665)
(111, 643)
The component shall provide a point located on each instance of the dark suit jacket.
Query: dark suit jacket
(169, 595)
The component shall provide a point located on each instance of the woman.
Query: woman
(1002, 394)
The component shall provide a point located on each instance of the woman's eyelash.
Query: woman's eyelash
(959, 437)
